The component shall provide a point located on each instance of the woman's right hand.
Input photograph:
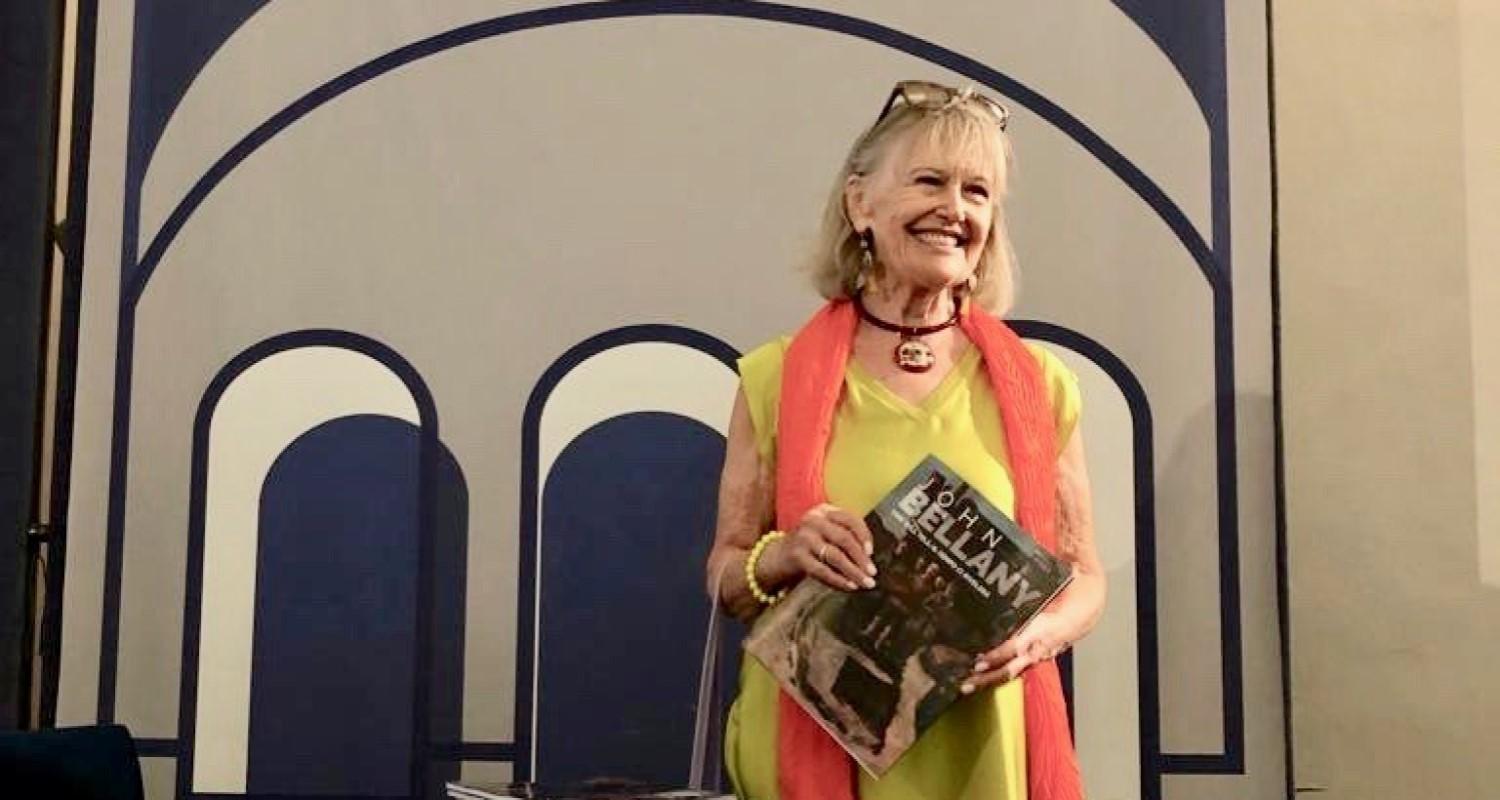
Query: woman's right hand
(829, 544)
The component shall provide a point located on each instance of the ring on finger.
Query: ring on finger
(823, 552)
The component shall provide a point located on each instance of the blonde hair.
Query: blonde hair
(960, 124)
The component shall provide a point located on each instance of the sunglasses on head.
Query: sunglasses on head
(916, 93)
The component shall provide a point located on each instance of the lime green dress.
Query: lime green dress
(977, 749)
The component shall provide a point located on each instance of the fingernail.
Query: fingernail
(850, 584)
(869, 548)
(981, 666)
(871, 569)
(869, 583)
(967, 688)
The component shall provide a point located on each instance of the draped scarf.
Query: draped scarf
(811, 765)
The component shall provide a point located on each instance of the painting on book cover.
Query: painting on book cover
(878, 667)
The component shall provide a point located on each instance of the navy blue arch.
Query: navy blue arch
(173, 40)
(428, 509)
(531, 483)
(1212, 261)
(627, 523)
(333, 668)
(1153, 763)
(1192, 35)
(137, 275)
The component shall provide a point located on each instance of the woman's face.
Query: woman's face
(929, 209)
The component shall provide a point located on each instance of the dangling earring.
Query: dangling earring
(866, 260)
(963, 291)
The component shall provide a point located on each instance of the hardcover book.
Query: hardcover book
(877, 667)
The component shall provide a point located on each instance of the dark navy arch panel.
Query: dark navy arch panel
(173, 40)
(333, 670)
(337, 655)
(627, 520)
(1192, 35)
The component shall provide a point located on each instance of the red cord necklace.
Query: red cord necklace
(911, 353)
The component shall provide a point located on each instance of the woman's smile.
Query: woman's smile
(944, 239)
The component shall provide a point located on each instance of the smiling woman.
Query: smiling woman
(904, 162)
(906, 361)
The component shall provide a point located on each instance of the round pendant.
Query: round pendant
(913, 355)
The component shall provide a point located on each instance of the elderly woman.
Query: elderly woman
(908, 358)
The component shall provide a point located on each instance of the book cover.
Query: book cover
(877, 667)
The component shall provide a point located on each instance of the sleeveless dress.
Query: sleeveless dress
(976, 749)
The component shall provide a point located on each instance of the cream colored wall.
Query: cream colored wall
(1386, 120)
(1481, 109)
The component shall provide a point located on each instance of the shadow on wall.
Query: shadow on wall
(1196, 574)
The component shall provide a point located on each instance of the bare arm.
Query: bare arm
(746, 502)
(829, 543)
(1077, 610)
(1082, 603)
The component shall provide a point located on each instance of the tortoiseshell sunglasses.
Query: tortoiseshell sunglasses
(926, 92)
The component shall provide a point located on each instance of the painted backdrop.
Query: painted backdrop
(407, 353)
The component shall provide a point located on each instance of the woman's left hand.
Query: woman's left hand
(1072, 614)
(1043, 639)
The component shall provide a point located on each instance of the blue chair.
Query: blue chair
(93, 763)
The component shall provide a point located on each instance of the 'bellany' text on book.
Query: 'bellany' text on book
(877, 667)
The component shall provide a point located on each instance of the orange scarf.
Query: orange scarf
(811, 765)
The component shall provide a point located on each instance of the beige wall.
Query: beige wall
(1386, 120)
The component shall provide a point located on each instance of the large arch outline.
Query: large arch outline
(531, 481)
(428, 454)
(1212, 261)
(1154, 763)
(139, 274)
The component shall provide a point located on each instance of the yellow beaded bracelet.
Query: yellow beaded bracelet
(755, 552)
